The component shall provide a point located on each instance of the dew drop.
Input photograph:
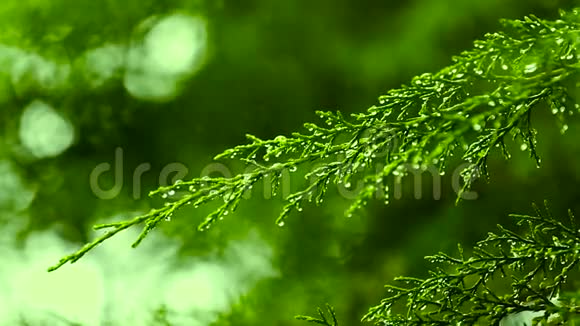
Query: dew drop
(281, 223)
(524, 146)
(280, 139)
(530, 68)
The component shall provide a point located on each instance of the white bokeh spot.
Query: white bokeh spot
(43, 131)
(171, 50)
(30, 71)
(15, 194)
(102, 64)
(175, 45)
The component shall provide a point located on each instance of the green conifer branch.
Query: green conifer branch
(322, 320)
(473, 291)
(467, 109)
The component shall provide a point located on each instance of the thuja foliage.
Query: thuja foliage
(475, 106)
(323, 320)
(507, 273)
(470, 108)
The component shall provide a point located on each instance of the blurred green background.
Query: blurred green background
(175, 83)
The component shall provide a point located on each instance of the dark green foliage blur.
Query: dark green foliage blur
(269, 65)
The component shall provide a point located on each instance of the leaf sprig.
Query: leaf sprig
(323, 320)
(507, 273)
(468, 109)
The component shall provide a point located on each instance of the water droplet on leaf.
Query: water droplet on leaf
(530, 68)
